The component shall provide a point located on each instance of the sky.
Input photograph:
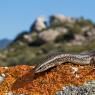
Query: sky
(18, 15)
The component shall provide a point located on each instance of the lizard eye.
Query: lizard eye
(40, 68)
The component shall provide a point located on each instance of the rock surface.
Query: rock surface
(87, 88)
(66, 79)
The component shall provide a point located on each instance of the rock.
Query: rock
(87, 88)
(90, 33)
(49, 35)
(39, 24)
(59, 18)
(28, 38)
(74, 69)
(11, 93)
(79, 38)
(2, 56)
(85, 28)
(62, 30)
(60, 80)
(2, 77)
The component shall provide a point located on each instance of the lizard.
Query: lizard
(59, 58)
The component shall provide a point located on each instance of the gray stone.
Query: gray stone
(87, 88)
(49, 35)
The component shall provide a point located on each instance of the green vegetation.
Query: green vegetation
(65, 37)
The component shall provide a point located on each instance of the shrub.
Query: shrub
(65, 37)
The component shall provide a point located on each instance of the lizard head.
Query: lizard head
(45, 66)
(40, 68)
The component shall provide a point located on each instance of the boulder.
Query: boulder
(49, 36)
(39, 24)
(59, 18)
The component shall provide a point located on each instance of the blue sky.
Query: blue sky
(18, 15)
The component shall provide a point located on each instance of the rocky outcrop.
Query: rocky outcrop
(43, 32)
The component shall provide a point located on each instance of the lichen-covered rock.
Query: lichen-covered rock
(61, 80)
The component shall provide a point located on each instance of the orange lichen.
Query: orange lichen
(19, 79)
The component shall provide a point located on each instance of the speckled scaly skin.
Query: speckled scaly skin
(61, 58)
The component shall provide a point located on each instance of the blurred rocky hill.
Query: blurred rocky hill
(55, 33)
(59, 28)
